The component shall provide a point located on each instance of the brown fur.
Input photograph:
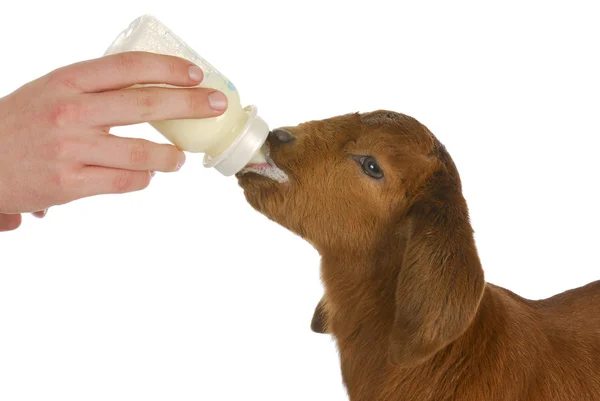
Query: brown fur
(405, 295)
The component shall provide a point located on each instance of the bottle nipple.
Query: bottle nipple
(258, 158)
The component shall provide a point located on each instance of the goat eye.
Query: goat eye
(370, 167)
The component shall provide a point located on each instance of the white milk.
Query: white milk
(230, 141)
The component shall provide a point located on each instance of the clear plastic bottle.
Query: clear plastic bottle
(230, 141)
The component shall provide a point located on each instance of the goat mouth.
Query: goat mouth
(268, 170)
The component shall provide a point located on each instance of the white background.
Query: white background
(183, 292)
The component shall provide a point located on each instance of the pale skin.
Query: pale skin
(55, 141)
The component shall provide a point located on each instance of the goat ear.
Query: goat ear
(440, 282)
(319, 320)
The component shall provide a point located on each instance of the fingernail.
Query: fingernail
(180, 161)
(218, 101)
(40, 214)
(196, 73)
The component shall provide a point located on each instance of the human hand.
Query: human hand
(55, 145)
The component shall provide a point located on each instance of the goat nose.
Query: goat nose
(281, 135)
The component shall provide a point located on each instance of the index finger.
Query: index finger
(124, 70)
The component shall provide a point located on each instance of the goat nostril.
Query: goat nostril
(282, 135)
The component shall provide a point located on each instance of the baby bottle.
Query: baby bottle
(230, 141)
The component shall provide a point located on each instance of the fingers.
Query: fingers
(133, 106)
(127, 69)
(93, 180)
(131, 154)
(9, 222)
